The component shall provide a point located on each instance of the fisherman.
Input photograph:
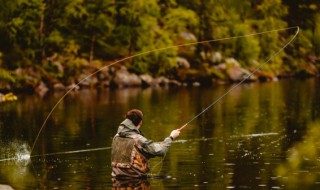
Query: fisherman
(131, 151)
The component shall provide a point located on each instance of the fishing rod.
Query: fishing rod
(23, 157)
(145, 53)
(243, 80)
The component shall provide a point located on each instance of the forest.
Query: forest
(54, 44)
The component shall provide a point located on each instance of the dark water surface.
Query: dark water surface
(250, 140)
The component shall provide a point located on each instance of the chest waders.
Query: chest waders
(126, 156)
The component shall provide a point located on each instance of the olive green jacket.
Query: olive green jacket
(131, 151)
(148, 148)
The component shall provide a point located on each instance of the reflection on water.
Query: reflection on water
(252, 139)
(301, 168)
(128, 184)
(15, 151)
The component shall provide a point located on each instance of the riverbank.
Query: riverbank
(225, 71)
(122, 78)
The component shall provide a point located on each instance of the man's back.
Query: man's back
(131, 150)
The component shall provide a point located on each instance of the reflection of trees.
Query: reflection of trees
(92, 117)
(302, 164)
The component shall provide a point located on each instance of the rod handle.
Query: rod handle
(181, 128)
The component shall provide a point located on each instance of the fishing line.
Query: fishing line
(237, 85)
(148, 52)
(58, 153)
(26, 156)
(73, 152)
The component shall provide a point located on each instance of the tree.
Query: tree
(92, 22)
(19, 26)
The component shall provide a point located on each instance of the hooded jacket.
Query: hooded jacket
(131, 151)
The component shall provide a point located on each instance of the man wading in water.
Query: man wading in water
(131, 150)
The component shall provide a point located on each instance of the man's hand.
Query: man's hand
(174, 134)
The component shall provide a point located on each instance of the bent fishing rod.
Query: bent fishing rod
(156, 50)
(243, 80)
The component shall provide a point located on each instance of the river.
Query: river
(251, 139)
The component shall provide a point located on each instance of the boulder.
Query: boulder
(236, 73)
(86, 81)
(195, 84)
(221, 67)
(183, 63)
(122, 78)
(148, 80)
(105, 83)
(232, 62)
(73, 86)
(104, 75)
(59, 87)
(42, 89)
(311, 69)
(163, 81)
(216, 57)
(188, 36)
(175, 83)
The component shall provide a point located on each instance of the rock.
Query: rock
(42, 89)
(148, 80)
(236, 73)
(183, 63)
(86, 81)
(5, 187)
(219, 82)
(311, 69)
(104, 75)
(105, 83)
(195, 84)
(59, 87)
(19, 71)
(175, 83)
(123, 78)
(73, 86)
(265, 76)
(59, 66)
(232, 62)
(221, 67)
(5, 86)
(216, 57)
(188, 36)
(163, 81)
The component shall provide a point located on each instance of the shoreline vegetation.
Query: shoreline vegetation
(52, 45)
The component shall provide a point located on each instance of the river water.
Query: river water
(260, 136)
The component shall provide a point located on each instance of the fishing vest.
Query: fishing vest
(125, 155)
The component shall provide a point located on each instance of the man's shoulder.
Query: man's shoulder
(140, 138)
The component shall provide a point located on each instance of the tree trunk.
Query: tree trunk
(91, 57)
(41, 33)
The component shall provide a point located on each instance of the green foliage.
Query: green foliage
(5, 75)
(178, 19)
(19, 25)
(302, 156)
(247, 49)
(82, 32)
(317, 34)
